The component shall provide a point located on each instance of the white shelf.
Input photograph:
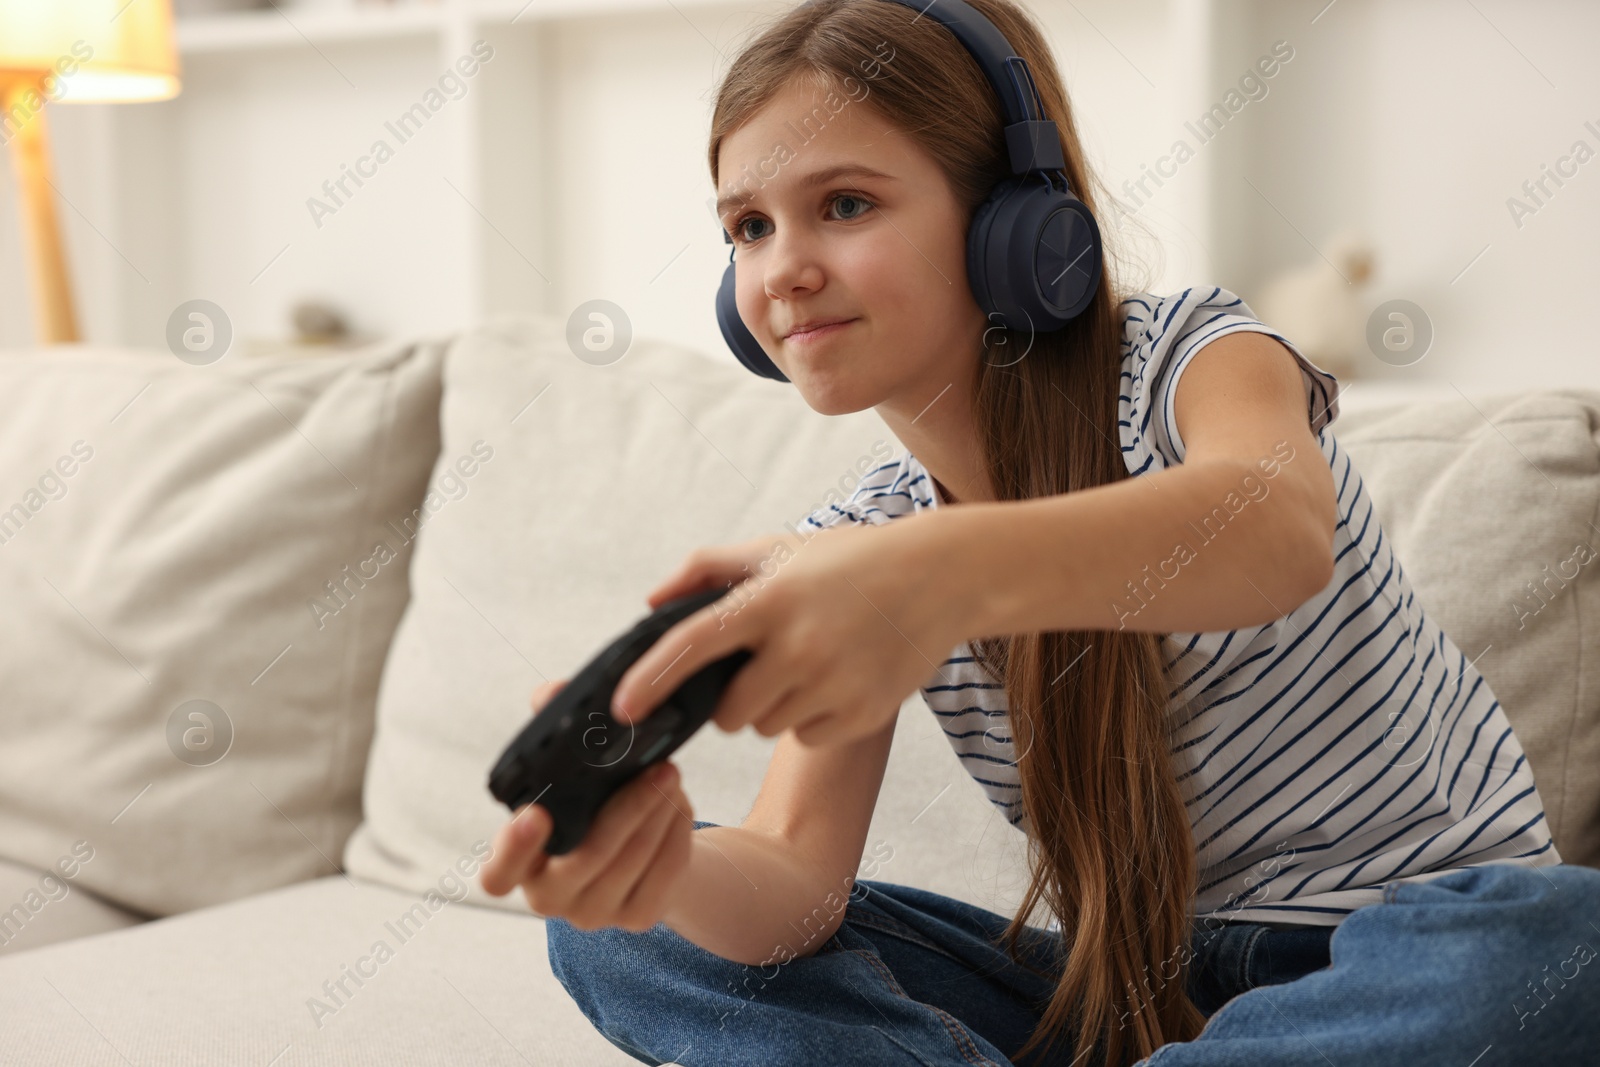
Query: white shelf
(247, 31)
(277, 28)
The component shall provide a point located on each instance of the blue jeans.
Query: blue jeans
(1482, 966)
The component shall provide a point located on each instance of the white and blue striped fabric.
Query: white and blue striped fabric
(1323, 755)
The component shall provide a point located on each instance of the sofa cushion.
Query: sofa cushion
(296, 976)
(42, 907)
(603, 478)
(1492, 503)
(191, 652)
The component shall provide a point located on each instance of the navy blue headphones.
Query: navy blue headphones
(1033, 249)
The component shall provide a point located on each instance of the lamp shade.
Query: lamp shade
(90, 51)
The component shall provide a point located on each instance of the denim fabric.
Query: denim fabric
(1439, 973)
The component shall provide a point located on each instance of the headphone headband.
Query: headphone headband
(1033, 141)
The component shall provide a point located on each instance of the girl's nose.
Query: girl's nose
(793, 264)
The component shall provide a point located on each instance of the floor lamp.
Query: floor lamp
(70, 51)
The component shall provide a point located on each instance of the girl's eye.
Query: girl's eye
(739, 233)
(850, 196)
(741, 236)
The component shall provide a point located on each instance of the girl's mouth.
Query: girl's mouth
(807, 337)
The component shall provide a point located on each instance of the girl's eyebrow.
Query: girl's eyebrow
(815, 178)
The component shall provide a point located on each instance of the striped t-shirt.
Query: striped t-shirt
(1344, 746)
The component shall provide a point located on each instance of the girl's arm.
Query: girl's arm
(1238, 535)
(775, 887)
(846, 622)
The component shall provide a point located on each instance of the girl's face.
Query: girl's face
(836, 215)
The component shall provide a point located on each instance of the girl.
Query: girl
(1143, 588)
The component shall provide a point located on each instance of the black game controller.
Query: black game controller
(574, 755)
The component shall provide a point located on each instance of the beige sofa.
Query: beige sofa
(268, 622)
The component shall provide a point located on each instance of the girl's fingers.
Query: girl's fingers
(789, 712)
(642, 907)
(544, 691)
(720, 564)
(700, 638)
(602, 898)
(697, 574)
(496, 875)
(735, 718)
(678, 585)
(518, 850)
(828, 729)
(566, 875)
(757, 687)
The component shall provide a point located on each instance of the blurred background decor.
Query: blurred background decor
(570, 165)
(85, 51)
(188, 8)
(1322, 305)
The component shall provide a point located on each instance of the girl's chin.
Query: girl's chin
(826, 395)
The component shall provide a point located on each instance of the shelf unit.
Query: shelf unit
(292, 27)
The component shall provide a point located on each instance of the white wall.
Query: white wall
(582, 149)
(1417, 120)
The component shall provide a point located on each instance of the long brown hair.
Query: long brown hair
(1110, 852)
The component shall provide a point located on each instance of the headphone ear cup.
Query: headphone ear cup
(746, 349)
(1033, 255)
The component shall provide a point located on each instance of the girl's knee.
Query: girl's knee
(613, 967)
(621, 981)
(649, 993)
(595, 965)
(1550, 900)
(604, 957)
(1573, 896)
(1503, 884)
(1579, 885)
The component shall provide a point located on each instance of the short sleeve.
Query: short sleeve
(1160, 336)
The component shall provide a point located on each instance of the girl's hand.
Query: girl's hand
(625, 869)
(842, 626)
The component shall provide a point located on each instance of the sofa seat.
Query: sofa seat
(237, 983)
(234, 983)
